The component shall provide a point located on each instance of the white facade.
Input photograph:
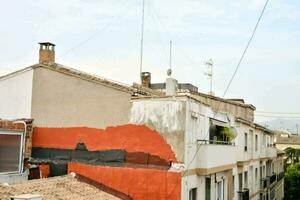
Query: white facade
(215, 168)
(17, 92)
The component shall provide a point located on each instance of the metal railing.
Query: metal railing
(280, 176)
(216, 142)
(272, 178)
(244, 194)
(263, 183)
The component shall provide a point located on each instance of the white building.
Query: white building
(224, 154)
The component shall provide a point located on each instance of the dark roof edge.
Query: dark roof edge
(103, 187)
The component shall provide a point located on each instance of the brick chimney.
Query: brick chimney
(146, 79)
(47, 52)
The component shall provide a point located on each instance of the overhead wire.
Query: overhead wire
(231, 79)
(116, 18)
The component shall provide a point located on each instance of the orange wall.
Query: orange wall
(140, 184)
(132, 138)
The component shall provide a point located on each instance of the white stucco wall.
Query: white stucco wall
(16, 95)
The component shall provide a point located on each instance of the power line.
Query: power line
(247, 46)
(103, 28)
(234, 74)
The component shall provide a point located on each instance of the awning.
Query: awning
(219, 123)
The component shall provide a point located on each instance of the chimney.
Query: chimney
(146, 79)
(171, 86)
(47, 53)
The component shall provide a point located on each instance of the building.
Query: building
(149, 141)
(286, 140)
(81, 124)
(58, 96)
(224, 153)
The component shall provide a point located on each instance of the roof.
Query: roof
(237, 102)
(165, 97)
(85, 76)
(62, 187)
(255, 125)
(47, 43)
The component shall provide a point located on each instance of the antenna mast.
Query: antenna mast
(142, 40)
(169, 72)
(209, 74)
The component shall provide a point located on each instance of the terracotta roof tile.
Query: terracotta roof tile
(63, 187)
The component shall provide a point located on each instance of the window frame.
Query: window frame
(193, 193)
(21, 134)
(245, 142)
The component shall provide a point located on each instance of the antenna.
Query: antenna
(169, 72)
(209, 74)
(142, 40)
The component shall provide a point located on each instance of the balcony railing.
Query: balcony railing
(216, 142)
(272, 178)
(244, 194)
(280, 176)
(263, 183)
(209, 155)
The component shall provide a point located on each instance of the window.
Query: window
(256, 176)
(264, 140)
(240, 182)
(246, 179)
(207, 188)
(193, 194)
(10, 151)
(256, 142)
(233, 186)
(194, 129)
(246, 142)
(219, 190)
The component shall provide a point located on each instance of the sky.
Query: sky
(103, 37)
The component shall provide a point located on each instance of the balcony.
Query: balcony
(244, 194)
(271, 152)
(215, 153)
(272, 178)
(280, 176)
(263, 183)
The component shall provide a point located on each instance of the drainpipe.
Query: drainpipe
(24, 143)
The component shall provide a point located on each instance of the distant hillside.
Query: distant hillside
(287, 124)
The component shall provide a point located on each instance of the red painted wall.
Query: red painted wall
(132, 138)
(140, 184)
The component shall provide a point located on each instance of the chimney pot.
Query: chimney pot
(47, 52)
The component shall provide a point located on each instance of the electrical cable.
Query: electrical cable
(103, 28)
(232, 78)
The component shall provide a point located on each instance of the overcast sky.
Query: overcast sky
(103, 37)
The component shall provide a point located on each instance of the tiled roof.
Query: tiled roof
(88, 77)
(63, 187)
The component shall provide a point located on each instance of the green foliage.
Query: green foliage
(292, 182)
(292, 156)
(228, 133)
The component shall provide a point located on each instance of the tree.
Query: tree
(292, 156)
(292, 182)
